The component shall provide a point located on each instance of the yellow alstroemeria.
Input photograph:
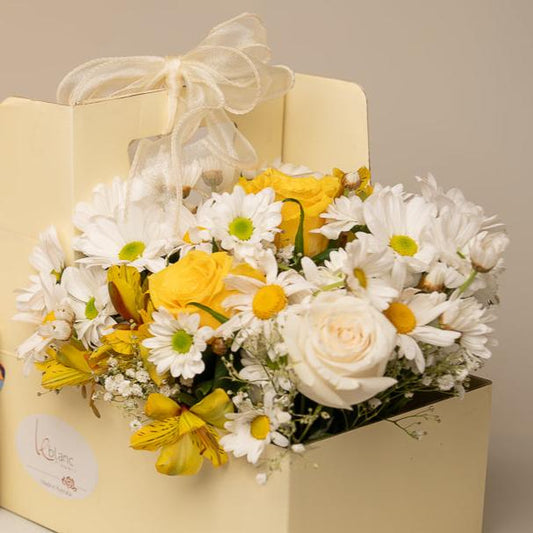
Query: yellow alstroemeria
(126, 341)
(126, 292)
(186, 436)
(67, 366)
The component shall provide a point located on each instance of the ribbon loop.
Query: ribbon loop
(228, 72)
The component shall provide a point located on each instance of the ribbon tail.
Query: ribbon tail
(227, 143)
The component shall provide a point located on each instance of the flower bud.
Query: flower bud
(64, 312)
(433, 281)
(218, 346)
(486, 249)
(57, 329)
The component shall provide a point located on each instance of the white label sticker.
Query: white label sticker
(57, 456)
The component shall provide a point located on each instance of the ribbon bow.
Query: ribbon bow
(228, 72)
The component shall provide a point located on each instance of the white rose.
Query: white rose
(339, 350)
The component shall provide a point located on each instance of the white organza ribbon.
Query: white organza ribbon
(228, 72)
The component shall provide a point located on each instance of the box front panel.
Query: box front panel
(377, 479)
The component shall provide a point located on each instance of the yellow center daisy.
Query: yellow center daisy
(90, 309)
(182, 341)
(131, 251)
(402, 318)
(242, 228)
(403, 245)
(360, 276)
(269, 301)
(260, 427)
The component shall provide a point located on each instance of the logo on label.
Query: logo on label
(57, 456)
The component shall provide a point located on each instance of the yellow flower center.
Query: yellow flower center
(269, 301)
(182, 341)
(90, 309)
(402, 318)
(50, 317)
(260, 427)
(131, 251)
(241, 227)
(360, 276)
(403, 245)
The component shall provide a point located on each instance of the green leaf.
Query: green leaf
(185, 399)
(217, 316)
(221, 373)
(299, 238)
(203, 389)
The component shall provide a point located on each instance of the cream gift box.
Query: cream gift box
(62, 467)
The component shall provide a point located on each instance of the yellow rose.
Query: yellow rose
(198, 277)
(314, 194)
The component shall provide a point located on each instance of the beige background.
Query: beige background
(450, 90)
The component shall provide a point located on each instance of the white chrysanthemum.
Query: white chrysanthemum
(89, 298)
(331, 275)
(404, 225)
(55, 325)
(48, 259)
(368, 272)
(411, 316)
(177, 343)
(242, 222)
(107, 200)
(258, 302)
(251, 429)
(453, 200)
(471, 319)
(137, 236)
(342, 215)
(452, 231)
(192, 236)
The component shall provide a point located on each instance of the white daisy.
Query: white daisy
(242, 222)
(192, 236)
(55, 325)
(368, 272)
(89, 298)
(342, 215)
(471, 319)
(259, 302)
(404, 226)
(327, 277)
(454, 200)
(48, 259)
(252, 428)
(452, 231)
(137, 236)
(411, 316)
(177, 343)
(107, 200)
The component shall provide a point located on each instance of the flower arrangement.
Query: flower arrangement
(261, 313)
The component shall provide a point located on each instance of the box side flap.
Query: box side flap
(103, 132)
(35, 173)
(326, 124)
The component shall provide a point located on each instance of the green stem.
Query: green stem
(314, 416)
(468, 281)
(335, 285)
